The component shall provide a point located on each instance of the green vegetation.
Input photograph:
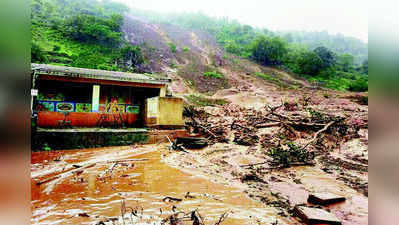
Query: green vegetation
(81, 33)
(46, 147)
(360, 85)
(173, 47)
(213, 74)
(291, 154)
(202, 101)
(337, 43)
(334, 60)
(87, 33)
(269, 78)
(342, 81)
(268, 50)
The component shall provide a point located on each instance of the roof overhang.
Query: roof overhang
(71, 73)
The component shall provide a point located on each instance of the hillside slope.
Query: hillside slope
(197, 53)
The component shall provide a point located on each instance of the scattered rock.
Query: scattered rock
(325, 198)
(315, 216)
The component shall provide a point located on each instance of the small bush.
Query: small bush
(186, 49)
(287, 156)
(213, 74)
(38, 54)
(173, 47)
(56, 48)
(173, 65)
(360, 85)
(268, 77)
(201, 101)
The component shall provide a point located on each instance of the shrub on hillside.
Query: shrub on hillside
(132, 55)
(213, 74)
(37, 54)
(93, 29)
(360, 85)
(173, 47)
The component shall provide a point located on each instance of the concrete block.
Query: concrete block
(325, 198)
(316, 216)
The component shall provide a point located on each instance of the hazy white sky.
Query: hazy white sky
(349, 17)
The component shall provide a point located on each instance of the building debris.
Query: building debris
(325, 198)
(191, 142)
(316, 216)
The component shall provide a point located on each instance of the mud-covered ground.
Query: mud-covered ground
(236, 175)
(98, 186)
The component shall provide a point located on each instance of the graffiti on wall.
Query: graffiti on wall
(65, 107)
(133, 109)
(46, 106)
(83, 107)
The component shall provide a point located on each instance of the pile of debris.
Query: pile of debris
(241, 125)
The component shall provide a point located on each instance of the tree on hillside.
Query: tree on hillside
(328, 57)
(345, 62)
(132, 56)
(93, 29)
(37, 54)
(365, 66)
(268, 50)
(309, 63)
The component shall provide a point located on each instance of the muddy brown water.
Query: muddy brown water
(92, 196)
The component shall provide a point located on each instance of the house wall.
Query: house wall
(67, 104)
(91, 119)
(171, 111)
(164, 111)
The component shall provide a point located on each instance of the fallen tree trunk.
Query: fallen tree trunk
(315, 136)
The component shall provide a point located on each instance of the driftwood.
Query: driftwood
(171, 199)
(124, 160)
(109, 170)
(318, 133)
(222, 218)
(73, 170)
(47, 180)
(279, 167)
(264, 125)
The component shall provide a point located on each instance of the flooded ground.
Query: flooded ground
(281, 189)
(146, 184)
(92, 186)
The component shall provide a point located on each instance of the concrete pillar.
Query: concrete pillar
(96, 98)
(162, 91)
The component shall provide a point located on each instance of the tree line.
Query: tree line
(82, 33)
(303, 53)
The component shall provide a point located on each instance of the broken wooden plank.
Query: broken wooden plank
(325, 198)
(47, 180)
(69, 171)
(315, 216)
(124, 160)
(265, 125)
(172, 199)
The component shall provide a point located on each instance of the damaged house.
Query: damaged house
(67, 99)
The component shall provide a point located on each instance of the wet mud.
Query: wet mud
(91, 186)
